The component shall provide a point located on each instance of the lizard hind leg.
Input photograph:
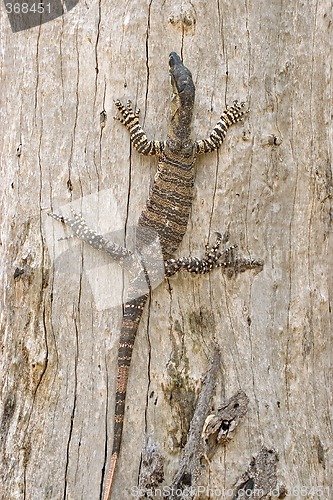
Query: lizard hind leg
(194, 264)
(214, 257)
(82, 231)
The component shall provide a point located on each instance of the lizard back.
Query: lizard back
(169, 205)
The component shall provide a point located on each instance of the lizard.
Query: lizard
(164, 219)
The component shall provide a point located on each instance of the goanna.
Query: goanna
(163, 219)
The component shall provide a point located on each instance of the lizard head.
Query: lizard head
(182, 100)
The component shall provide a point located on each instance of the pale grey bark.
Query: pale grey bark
(271, 183)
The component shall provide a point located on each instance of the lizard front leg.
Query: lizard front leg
(231, 115)
(130, 119)
(82, 231)
(213, 258)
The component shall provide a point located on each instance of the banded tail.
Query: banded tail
(133, 309)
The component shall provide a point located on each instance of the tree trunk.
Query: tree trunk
(270, 184)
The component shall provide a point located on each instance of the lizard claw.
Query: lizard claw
(236, 110)
(126, 112)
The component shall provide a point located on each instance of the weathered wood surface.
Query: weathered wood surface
(271, 183)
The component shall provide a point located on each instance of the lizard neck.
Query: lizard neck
(182, 103)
